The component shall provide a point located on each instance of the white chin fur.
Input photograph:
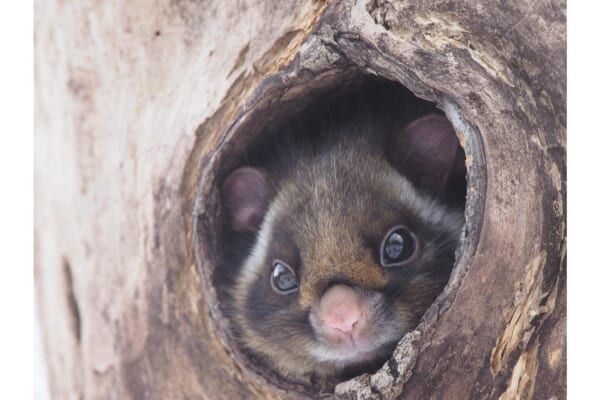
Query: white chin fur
(346, 354)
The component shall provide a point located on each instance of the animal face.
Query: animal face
(348, 256)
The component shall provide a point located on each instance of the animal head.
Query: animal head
(348, 252)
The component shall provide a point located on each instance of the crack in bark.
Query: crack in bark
(72, 301)
(532, 306)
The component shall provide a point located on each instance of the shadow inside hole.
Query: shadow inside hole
(280, 150)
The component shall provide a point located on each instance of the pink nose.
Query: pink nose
(341, 309)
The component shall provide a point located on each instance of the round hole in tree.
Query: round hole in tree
(339, 214)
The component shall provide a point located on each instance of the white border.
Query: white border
(16, 217)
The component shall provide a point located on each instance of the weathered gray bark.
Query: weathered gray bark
(139, 105)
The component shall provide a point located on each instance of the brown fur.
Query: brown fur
(333, 203)
(322, 215)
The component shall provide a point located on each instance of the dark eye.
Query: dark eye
(283, 278)
(398, 247)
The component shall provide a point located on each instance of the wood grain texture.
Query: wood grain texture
(142, 106)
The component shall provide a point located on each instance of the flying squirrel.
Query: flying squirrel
(341, 231)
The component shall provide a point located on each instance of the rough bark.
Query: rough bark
(139, 107)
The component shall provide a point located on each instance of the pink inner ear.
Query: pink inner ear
(247, 192)
(426, 151)
(432, 138)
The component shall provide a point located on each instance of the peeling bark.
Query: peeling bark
(140, 108)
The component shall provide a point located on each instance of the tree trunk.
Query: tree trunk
(141, 104)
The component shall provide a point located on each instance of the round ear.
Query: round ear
(246, 193)
(426, 151)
